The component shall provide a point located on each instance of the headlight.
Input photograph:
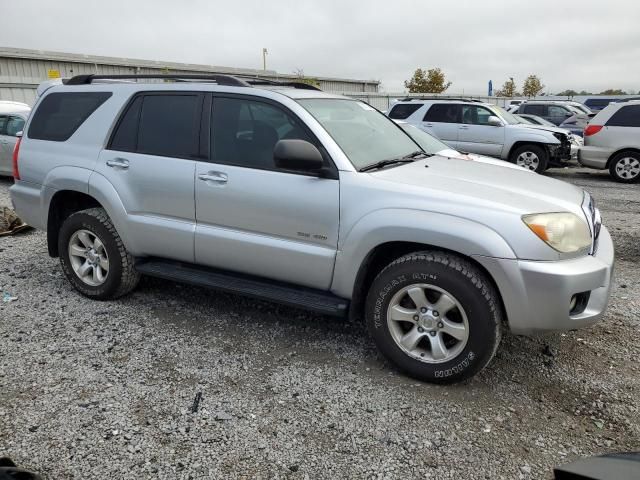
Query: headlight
(565, 232)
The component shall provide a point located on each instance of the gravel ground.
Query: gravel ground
(105, 389)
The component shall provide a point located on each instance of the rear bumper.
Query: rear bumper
(594, 157)
(537, 295)
(27, 202)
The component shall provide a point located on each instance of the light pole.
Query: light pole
(264, 58)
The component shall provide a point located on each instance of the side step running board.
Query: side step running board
(279, 292)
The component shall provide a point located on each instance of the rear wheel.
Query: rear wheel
(435, 315)
(625, 167)
(93, 256)
(531, 157)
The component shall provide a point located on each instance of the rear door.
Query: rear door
(476, 135)
(622, 130)
(441, 120)
(150, 161)
(253, 217)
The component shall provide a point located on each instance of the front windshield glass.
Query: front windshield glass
(428, 143)
(583, 109)
(528, 121)
(365, 135)
(509, 118)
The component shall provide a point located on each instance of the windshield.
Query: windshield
(428, 143)
(583, 109)
(509, 118)
(364, 134)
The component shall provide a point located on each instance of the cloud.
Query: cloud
(569, 45)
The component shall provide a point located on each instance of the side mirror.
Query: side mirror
(494, 121)
(297, 155)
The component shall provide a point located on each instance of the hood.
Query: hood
(545, 128)
(449, 153)
(485, 185)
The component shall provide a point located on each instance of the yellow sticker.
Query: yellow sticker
(53, 73)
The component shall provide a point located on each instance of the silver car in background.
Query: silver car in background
(13, 116)
(612, 141)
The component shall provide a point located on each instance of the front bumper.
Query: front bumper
(536, 295)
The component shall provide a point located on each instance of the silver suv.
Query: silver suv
(612, 140)
(485, 129)
(318, 201)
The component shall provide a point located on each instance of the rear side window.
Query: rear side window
(403, 110)
(444, 113)
(167, 125)
(626, 117)
(61, 114)
(170, 125)
(14, 126)
(533, 109)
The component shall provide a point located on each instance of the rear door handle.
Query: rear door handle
(428, 124)
(122, 163)
(464, 127)
(215, 177)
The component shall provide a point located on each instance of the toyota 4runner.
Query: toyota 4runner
(286, 193)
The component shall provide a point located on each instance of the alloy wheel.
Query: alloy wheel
(88, 258)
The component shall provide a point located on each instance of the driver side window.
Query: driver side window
(475, 115)
(245, 132)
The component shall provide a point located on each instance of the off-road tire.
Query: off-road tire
(540, 152)
(122, 277)
(468, 284)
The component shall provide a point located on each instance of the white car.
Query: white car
(13, 115)
(486, 129)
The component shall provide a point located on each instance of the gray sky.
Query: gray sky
(587, 44)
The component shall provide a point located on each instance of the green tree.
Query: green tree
(569, 93)
(584, 92)
(611, 91)
(429, 81)
(532, 86)
(508, 89)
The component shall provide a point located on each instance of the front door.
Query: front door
(476, 135)
(150, 161)
(253, 217)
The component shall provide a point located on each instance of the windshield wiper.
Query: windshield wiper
(411, 157)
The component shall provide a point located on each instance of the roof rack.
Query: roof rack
(226, 80)
(442, 99)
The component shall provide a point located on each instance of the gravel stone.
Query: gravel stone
(106, 389)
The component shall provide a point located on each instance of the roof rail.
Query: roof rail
(226, 80)
(443, 99)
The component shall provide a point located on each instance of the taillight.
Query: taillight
(592, 130)
(16, 151)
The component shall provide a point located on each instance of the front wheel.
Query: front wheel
(625, 167)
(435, 315)
(531, 157)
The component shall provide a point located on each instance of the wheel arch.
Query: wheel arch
(619, 151)
(522, 143)
(64, 203)
(382, 255)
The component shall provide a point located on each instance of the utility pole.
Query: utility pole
(264, 58)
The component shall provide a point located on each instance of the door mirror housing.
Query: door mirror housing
(298, 155)
(494, 121)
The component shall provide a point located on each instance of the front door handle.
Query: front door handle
(122, 163)
(216, 177)
(428, 124)
(464, 127)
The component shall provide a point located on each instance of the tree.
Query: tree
(584, 92)
(569, 93)
(532, 86)
(612, 91)
(508, 89)
(429, 81)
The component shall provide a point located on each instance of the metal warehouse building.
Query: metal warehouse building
(21, 71)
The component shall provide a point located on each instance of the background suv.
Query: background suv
(486, 129)
(612, 140)
(557, 112)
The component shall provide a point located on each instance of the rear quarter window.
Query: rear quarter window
(628, 116)
(59, 115)
(403, 110)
